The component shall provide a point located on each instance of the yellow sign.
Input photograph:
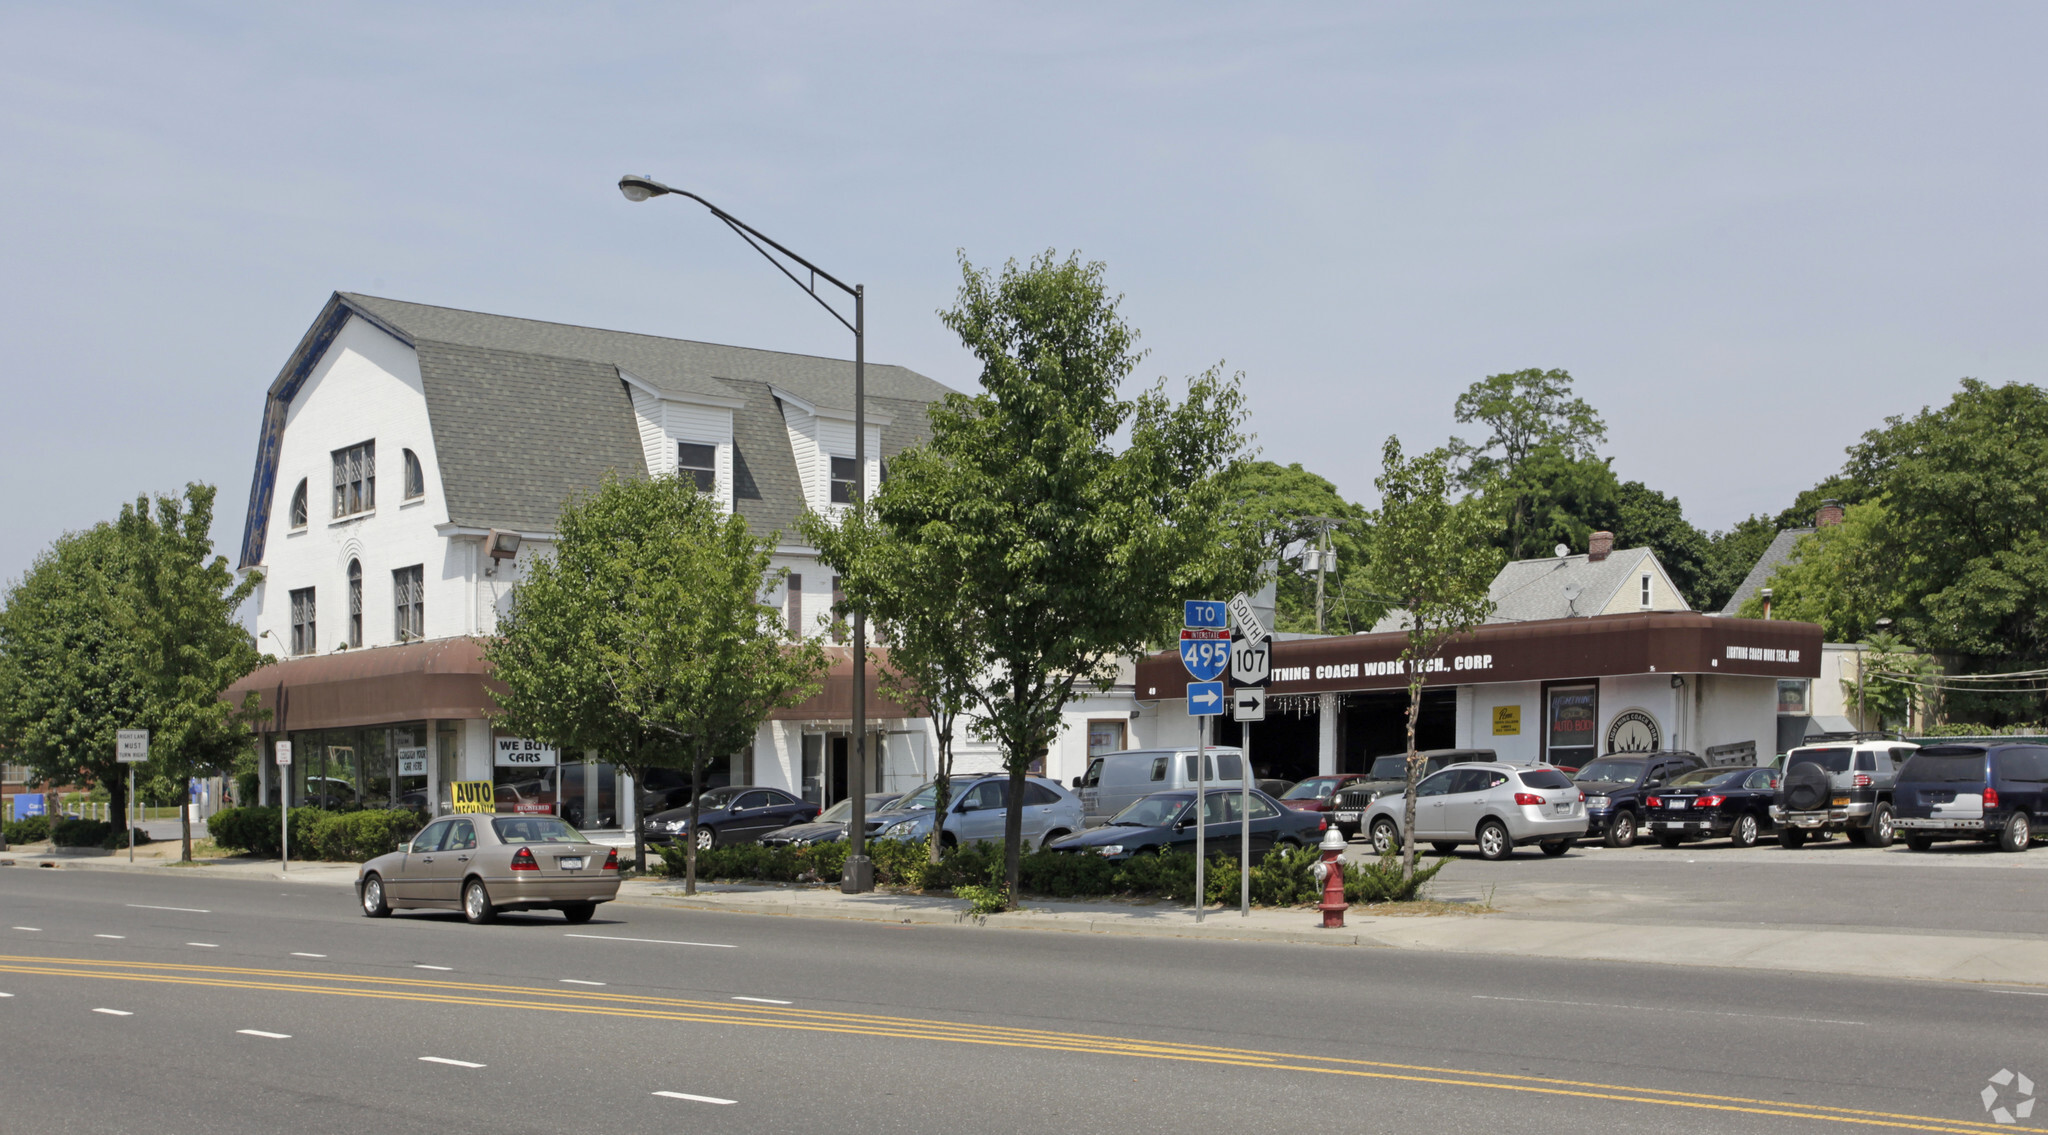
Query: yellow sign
(475, 796)
(1507, 721)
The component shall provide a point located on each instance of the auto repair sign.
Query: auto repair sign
(518, 752)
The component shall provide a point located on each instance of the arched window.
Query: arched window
(415, 477)
(299, 505)
(355, 603)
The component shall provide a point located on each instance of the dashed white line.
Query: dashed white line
(2019, 992)
(116, 937)
(115, 1012)
(1666, 1009)
(30, 929)
(179, 909)
(764, 1000)
(6, 994)
(300, 954)
(205, 945)
(579, 981)
(264, 1035)
(443, 969)
(696, 1099)
(654, 941)
(445, 1060)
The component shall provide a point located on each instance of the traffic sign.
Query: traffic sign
(1248, 703)
(131, 746)
(1205, 653)
(1206, 613)
(1251, 661)
(284, 754)
(1205, 699)
(1247, 618)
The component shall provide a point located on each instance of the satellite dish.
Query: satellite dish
(1563, 550)
(1572, 592)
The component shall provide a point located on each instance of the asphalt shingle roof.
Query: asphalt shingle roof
(1530, 590)
(1774, 556)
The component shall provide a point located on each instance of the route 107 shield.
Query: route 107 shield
(1205, 653)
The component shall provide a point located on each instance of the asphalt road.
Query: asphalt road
(196, 1005)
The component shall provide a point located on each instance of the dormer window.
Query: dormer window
(415, 477)
(698, 462)
(1646, 590)
(844, 475)
(355, 479)
(299, 505)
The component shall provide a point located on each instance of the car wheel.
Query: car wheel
(1920, 842)
(1056, 833)
(2017, 833)
(1556, 847)
(1494, 842)
(1792, 837)
(374, 905)
(1669, 841)
(707, 839)
(579, 913)
(1445, 846)
(476, 903)
(1858, 836)
(1621, 830)
(1386, 838)
(1744, 832)
(1881, 831)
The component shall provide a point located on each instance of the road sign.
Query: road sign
(1248, 703)
(284, 754)
(131, 746)
(1247, 618)
(1208, 614)
(1205, 654)
(1251, 661)
(1205, 699)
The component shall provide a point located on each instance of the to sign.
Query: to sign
(1205, 699)
(1251, 661)
(1248, 703)
(284, 754)
(1247, 618)
(1205, 613)
(1205, 653)
(131, 746)
(518, 752)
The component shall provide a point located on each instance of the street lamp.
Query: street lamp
(859, 875)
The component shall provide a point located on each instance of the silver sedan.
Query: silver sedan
(1496, 806)
(482, 864)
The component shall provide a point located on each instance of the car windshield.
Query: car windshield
(1390, 768)
(1833, 760)
(1151, 812)
(1314, 788)
(536, 829)
(921, 799)
(1944, 768)
(839, 813)
(1700, 776)
(1609, 768)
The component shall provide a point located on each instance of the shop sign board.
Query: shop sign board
(1507, 721)
(474, 796)
(28, 804)
(412, 762)
(518, 752)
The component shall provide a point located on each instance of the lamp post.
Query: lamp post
(859, 874)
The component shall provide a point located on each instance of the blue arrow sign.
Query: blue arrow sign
(1205, 699)
(1205, 654)
(1208, 614)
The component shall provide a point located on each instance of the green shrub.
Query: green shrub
(254, 831)
(356, 836)
(28, 829)
(1381, 881)
(117, 838)
(71, 832)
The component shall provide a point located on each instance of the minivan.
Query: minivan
(1114, 780)
(1988, 792)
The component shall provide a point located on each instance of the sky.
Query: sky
(1749, 231)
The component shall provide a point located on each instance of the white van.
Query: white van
(1114, 780)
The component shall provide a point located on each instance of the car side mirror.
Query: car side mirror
(1077, 782)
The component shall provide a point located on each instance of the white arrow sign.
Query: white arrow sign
(1247, 619)
(1248, 703)
(1205, 697)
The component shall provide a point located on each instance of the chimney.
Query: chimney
(1599, 546)
(1828, 514)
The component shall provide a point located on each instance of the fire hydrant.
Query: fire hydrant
(1330, 873)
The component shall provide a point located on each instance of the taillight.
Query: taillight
(1656, 801)
(1528, 800)
(611, 861)
(1582, 798)
(1323, 824)
(1862, 780)
(1990, 797)
(1709, 801)
(523, 860)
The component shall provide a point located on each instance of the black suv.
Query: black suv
(1982, 792)
(1615, 785)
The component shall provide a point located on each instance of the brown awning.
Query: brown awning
(1674, 642)
(835, 701)
(445, 678)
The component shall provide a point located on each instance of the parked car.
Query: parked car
(1983, 792)
(1313, 794)
(1498, 806)
(829, 827)
(1390, 774)
(1839, 786)
(977, 811)
(1165, 821)
(664, 788)
(1712, 803)
(1273, 787)
(1114, 780)
(481, 865)
(731, 815)
(1615, 785)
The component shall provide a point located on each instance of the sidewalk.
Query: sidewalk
(1872, 952)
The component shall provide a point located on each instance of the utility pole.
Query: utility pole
(1325, 560)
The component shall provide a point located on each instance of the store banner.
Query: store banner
(474, 796)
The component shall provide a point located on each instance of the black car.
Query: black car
(731, 815)
(1982, 792)
(1709, 804)
(828, 828)
(1615, 785)
(1165, 820)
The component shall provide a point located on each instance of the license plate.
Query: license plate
(1675, 805)
(574, 863)
(1561, 806)
(1347, 817)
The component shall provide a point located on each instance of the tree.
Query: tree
(1889, 675)
(1281, 511)
(1731, 555)
(1646, 518)
(177, 604)
(1072, 552)
(1432, 557)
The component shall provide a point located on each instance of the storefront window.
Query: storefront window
(524, 773)
(1572, 722)
(1792, 697)
(1105, 737)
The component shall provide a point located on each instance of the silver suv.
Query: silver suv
(1497, 806)
(1839, 786)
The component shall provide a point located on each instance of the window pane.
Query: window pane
(415, 477)
(694, 455)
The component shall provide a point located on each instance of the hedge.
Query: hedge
(28, 829)
(316, 833)
(1282, 878)
(71, 832)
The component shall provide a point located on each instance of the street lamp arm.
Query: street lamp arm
(642, 188)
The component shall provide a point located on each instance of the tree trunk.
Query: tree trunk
(1414, 776)
(185, 822)
(696, 810)
(942, 786)
(1013, 830)
(117, 803)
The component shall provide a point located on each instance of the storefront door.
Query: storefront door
(1571, 724)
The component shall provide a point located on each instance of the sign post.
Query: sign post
(1204, 651)
(1251, 665)
(131, 748)
(284, 798)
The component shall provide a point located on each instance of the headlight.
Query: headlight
(1110, 849)
(677, 825)
(1596, 801)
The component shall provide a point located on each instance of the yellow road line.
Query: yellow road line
(632, 1006)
